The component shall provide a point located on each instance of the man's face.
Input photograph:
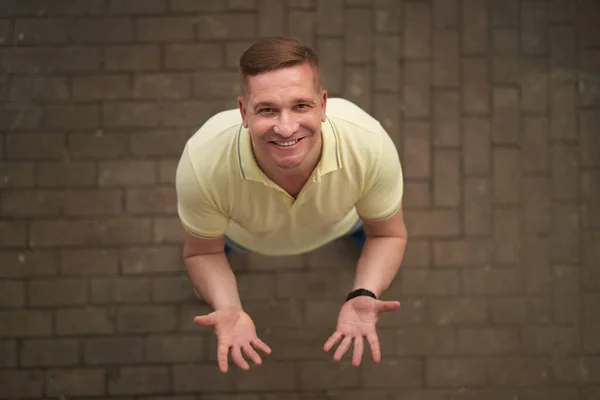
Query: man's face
(283, 110)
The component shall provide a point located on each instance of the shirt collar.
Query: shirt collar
(330, 157)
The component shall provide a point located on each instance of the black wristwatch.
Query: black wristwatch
(360, 292)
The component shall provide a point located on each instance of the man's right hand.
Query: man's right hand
(236, 331)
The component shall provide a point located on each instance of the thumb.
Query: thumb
(384, 306)
(204, 320)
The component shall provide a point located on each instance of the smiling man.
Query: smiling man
(285, 173)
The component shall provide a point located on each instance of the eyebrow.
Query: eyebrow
(270, 104)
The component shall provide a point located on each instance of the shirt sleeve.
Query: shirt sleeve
(382, 195)
(197, 210)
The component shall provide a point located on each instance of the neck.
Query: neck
(291, 180)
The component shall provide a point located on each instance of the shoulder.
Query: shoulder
(212, 147)
(216, 132)
(361, 135)
(209, 162)
(352, 115)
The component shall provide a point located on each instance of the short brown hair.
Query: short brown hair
(274, 53)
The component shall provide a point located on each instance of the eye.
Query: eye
(303, 106)
(265, 110)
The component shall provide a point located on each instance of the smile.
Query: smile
(284, 144)
(288, 143)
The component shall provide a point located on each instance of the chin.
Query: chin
(289, 161)
(288, 164)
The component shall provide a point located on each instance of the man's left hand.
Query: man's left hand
(357, 320)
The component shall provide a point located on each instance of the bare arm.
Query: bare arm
(214, 280)
(210, 272)
(382, 253)
(377, 266)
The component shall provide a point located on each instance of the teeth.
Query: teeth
(290, 143)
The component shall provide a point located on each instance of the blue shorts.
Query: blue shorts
(356, 234)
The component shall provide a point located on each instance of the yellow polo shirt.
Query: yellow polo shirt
(222, 191)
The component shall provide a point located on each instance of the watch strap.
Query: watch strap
(360, 292)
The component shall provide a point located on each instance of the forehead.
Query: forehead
(283, 85)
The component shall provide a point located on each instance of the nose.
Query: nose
(286, 125)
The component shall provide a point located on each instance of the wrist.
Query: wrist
(230, 309)
(217, 302)
(231, 304)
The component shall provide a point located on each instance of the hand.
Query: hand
(357, 319)
(234, 329)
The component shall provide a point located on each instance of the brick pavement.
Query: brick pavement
(494, 107)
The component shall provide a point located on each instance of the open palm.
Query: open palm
(357, 320)
(236, 331)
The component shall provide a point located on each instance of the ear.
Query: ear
(243, 112)
(323, 105)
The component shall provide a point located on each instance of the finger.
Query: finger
(222, 350)
(333, 339)
(375, 349)
(236, 356)
(358, 350)
(252, 354)
(342, 348)
(204, 320)
(384, 306)
(259, 344)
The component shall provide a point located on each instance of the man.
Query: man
(288, 172)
